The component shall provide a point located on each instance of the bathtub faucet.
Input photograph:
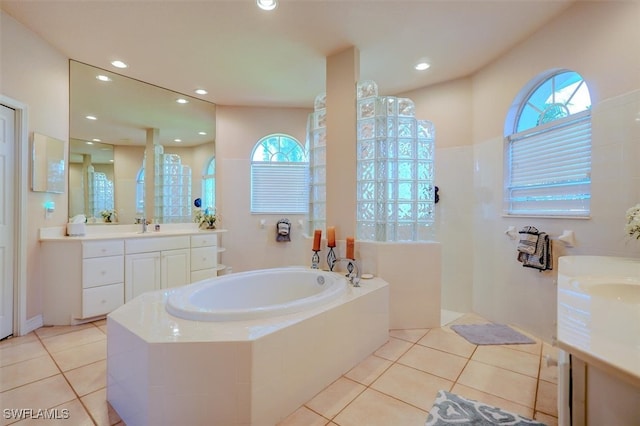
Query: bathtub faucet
(354, 272)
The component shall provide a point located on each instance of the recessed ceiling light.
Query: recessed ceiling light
(91, 117)
(89, 143)
(182, 101)
(102, 77)
(119, 64)
(177, 140)
(111, 161)
(267, 4)
(421, 66)
(201, 92)
(96, 140)
(202, 133)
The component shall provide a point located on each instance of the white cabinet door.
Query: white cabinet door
(141, 274)
(176, 268)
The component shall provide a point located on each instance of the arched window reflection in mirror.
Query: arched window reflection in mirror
(209, 183)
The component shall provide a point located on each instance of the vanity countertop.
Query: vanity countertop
(116, 232)
(599, 313)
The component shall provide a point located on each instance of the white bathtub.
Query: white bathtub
(256, 294)
(163, 369)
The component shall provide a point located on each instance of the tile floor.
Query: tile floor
(64, 368)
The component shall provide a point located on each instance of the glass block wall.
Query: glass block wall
(172, 188)
(316, 145)
(395, 190)
(100, 192)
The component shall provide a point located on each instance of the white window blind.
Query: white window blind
(279, 187)
(549, 168)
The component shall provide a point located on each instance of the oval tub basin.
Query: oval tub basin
(256, 294)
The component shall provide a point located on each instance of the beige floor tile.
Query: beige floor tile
(304, 417)
(507, 358)
(547, 398)
(88, 378)
(412, 386)
(393, 349)
(549, 373)
(438, 363)
(368, 370)
(78, 356)
(23, 352)
(448, 340)
(373, 408)
(335, 397)
(100, 322)
(497, 381)
(13, 341)
(69, 413)
(24, 372)
(100, 410)
(103, 328)
(496, 401)
(546, 419)
(65, 341)
(43, 394)
(411, 335)
(55, 330)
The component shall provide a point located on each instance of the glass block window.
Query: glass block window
(209, 184)
(279, 176)
(317, 144)
(548, 149)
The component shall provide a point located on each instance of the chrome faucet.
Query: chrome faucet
(352, 267)
(144, 225)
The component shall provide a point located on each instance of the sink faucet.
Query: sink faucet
(352, 267)
(144, 223)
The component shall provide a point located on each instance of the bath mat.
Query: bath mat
(491, 334)
(452, 409)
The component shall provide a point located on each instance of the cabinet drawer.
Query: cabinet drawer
(102, 300)
(102, 248)
(203, 274)
(204, 258)
(99, 271)
(204, 240)
(149, 244)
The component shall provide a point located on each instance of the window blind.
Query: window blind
(549, 169)
(278, 187)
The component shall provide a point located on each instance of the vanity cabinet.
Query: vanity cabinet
(82, 280)
(204, 256)
(154, 263)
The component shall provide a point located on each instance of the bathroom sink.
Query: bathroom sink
(622, 289)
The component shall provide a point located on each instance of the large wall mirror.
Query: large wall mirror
(119, 128)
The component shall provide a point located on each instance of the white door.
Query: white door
(141, 274)
(7, 249)
(176, 270)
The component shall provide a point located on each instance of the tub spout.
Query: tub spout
(353, 271)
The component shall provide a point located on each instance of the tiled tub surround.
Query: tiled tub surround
(599, 325)
(164, 370)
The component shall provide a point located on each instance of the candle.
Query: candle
(331, 236)
(317, 235)
(350, 248)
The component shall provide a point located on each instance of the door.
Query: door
(176, 268)
(7, 236)
(141, 274)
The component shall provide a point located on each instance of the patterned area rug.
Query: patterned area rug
(452, 409)
(491, 334)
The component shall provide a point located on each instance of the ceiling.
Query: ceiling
(245, 56)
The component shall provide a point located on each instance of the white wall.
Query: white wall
(37, 75)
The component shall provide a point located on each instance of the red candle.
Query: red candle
(350, 248)
(331, 236)
(317, 235)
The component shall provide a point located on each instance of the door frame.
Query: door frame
(21, 154)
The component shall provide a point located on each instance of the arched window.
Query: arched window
(209, 184)
(548, 148)
(140, 192)
(279, 176)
